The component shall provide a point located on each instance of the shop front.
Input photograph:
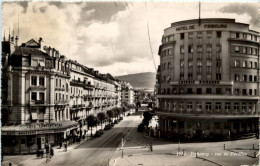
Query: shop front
(26, 139)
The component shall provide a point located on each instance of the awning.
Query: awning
(34, 116)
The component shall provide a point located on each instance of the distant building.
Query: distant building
(127, 93)
(208, 79)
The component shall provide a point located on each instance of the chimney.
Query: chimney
(53, 52)
(40, 42)
(57, 54)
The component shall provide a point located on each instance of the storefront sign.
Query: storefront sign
(215, 26)
(185, 28)
(206, 26)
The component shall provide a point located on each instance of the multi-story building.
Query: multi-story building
(127, 93)
(208, 79)
(29, 103)
(46, 98)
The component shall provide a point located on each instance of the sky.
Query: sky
(112, 37)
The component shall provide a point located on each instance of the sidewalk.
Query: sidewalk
(32, 160)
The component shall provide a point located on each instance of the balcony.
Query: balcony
(37, 87)
(61, 102)
(37, 102)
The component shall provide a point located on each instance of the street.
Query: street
(99, 150)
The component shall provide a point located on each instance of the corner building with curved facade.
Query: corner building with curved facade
(208, 79)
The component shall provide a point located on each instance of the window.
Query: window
(254, 51)
(199, 76)
(218, 48)
(41, 95)
(228, 91)
(244, 36)
(209, 34)
(209, 55)
(244, 92)
(33, 96)
(243, 107)
(218, 107)
(189, 106)
(237, 91)
(190, 49)
(181, 106)
(190, 35)
(208, 106)
(255, 92)
(255, 65)
(227, 106)
(208, 90)
(199, 69)
(237, 77)
(250, 92)
(250, 78)
(218, 69)
(237, 35)
(190, 76)
(209, 49)
(208, 69)
(198, 106)
(255, 79)
(244, 77)
(236, 106)
(169, 65)
(42, 81)
(218, 76)
(250, 64)
(182, 36)
(218, 63)
(182, 63)
(218, 90)
(249, 50)
(190, 63)
(181, 76)
(244, 50)
(189, 90)
(237, 63)
(199, 48)
(236, 48)
(182, 49)
(218, 34)
(199, 34)
(199, 91)
(34, 80)
(199, 56)
(244, 64)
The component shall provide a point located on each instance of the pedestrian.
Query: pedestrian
(65, 146)
(51, 153)
(60, 144)
(47, 148)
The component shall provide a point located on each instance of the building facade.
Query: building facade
(208, 79)
(127, 93)
(46, 98)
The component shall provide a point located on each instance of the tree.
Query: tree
(147, 117)
(116, 112)
(110, 114)
(101, 117)
(91, 119)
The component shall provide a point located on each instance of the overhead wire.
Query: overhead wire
(147, 23)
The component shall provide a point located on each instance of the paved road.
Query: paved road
(99, 150)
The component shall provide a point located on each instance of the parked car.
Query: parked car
(107, 127)
(115, 122)
(101, 131)
(98, 133)
(128, 114)
(112, 125)
(121, 118)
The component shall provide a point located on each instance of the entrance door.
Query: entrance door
(39, 143)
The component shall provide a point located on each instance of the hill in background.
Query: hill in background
(140, 80)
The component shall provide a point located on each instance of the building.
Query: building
(208, 79)
(28, 106)
(127, 93)
(46, 98)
